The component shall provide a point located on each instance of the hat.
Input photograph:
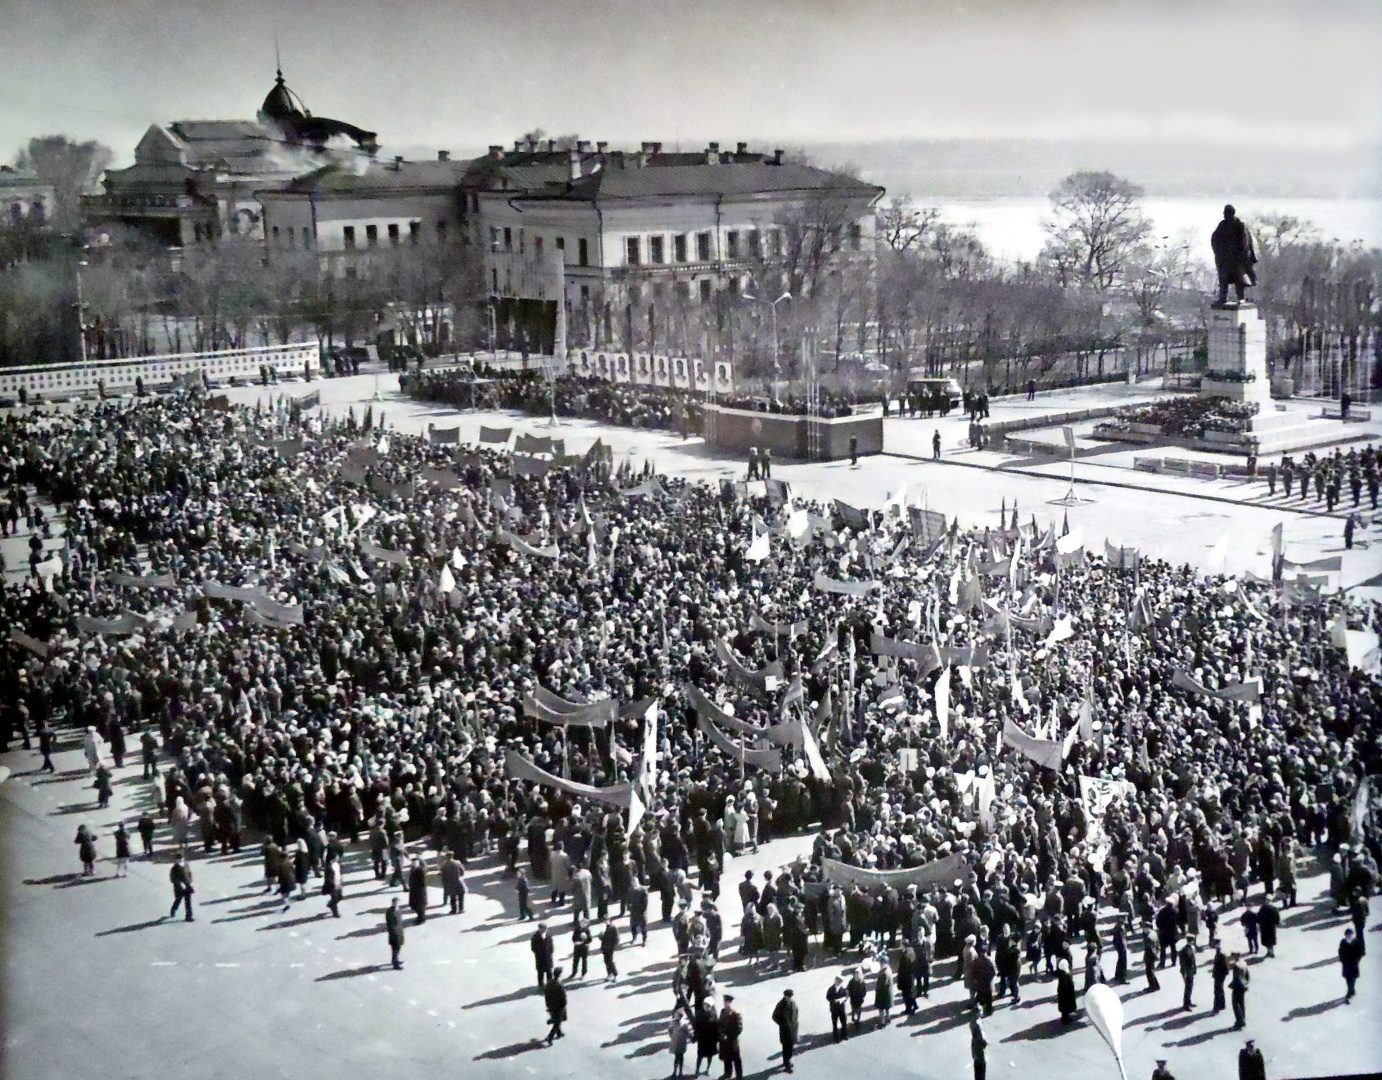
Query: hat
(788, 993)
(729, 998)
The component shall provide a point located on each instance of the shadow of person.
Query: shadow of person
(1301, 1012)
(131, 928)
(351, 973)
(499, 1053)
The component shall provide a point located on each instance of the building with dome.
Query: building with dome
(194, 181)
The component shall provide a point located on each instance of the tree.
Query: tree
(1096, 225)
(72, 168)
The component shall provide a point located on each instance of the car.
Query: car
(922, 384)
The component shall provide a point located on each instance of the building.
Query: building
(25, 199)
(195, 180)
(629, 239)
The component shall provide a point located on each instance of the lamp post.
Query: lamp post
(773, 305)
(81, 310)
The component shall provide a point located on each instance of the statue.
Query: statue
(1234, 256)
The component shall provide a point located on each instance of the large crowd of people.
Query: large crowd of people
(430, 608)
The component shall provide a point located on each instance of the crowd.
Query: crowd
(384, 715)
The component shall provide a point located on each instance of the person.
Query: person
(883, 991)
(181, 878)
(1065, 993)
(86, 849)
(1234, 257)
(554, 997)
(543, 949)
(417, 889)
(1250, 929)
(609, 943)
(1251, 1065)
(765, 462)
(453, 884)
(393, 926)
(785, 1017)
(1161, 1072)
(978, 1042)
(1268, 919)
(753, 463)
(1350, 527)
(580, 948)
(731, 1026)
(122, 851)
(1219, 972)
(148, 752)
(1188, 967)
(854, 451)
(45, 747)
(1149, 959)
(678, 1036)
(705, 1023)
(333, 886)
(1238, 978)
(1350, 960)
(1031, 389)
(836, 996)
(146, 827)
(858, 990)
(521, 886)
(936, 444)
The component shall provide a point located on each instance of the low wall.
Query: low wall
(791, 436)
(74, 380)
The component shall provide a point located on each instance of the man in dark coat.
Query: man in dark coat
(554, 996)
(543, 949)
(1234, 257)
(836, 997)
(1220, 974)
(417, 889)
(785, 1017)
(1350, 957)
(181, 877)
(731, 1026)
(978, 1041)
(1238, 991)
(393, 925)
(1188, 968)
(1251, 1065)
(1268, 919)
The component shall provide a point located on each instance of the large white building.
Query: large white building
(25, 199)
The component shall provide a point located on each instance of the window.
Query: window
(372, 236)
(561, 243)
(755, 244)
(583, 251)
(537, 246)
(635, 295)
(703, 247)
(474, 202)
(585, 296)
(705, 290)
(679, 247)
(522, 242)
(655, 253)
(393, 233)
(631, 245)
(856, 236)
(38, 213)
(494, 278)
(306, 237)
(732, 244)
(274, 230)
(414, 232)
(441, 231)
(775, 243)
(508, 238)
(681, 290)
(351, 273)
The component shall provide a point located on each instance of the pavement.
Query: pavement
(100, 983)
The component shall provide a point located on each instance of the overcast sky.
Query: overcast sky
(466, 73)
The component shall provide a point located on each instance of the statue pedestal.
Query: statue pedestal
(1237, 355)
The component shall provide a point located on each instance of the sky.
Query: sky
(1304, 75)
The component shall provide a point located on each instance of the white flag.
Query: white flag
(448, 581)
(943, 701)
(759, 549)
(457, 559)
(383, 446)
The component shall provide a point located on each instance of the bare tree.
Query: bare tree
(1096, 224)
(72, 168)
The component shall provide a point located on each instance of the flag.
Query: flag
(812, 752)
(1361, 805)
(448, 580)
(1069, 434)
(1086, 714)
(495, 435)
(1045, 752)
(892, 697)
(1060, 632)
(647, 765)
(1217, 555)
(457, 559)
(759, 550)
(1105, 1011)
(1019, 698)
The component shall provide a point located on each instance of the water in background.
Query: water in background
(1010, 228)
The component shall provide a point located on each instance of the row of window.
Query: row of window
(37, 213)
(502, 239)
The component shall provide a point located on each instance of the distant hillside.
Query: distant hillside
(964, 168)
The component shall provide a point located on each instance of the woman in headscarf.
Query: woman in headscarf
(883, 988)
(1065, 993)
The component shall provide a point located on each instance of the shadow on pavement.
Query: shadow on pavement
(512, 1050)
(1047, 1029)
(351, 973)
(1202, 1037)
(503, 999)
(1312, 1010)
(132, 928)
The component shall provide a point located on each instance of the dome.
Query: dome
(282, 103)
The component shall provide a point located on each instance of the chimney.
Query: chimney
(641, 159)
(575, 164)
(712, 154)
(518, 146)
(532, 146)
(551, 145)
(777, 156)
(583, 145)
(443, 155)
(397, 164)
(741, 148)
(617, 158)
(600, 147)
(657, 148)
(496, 153)
(647, 147)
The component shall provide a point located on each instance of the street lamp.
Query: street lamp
(81, 309)
(773, 305)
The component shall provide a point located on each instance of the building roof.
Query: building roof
(407, 176)
(14, 178)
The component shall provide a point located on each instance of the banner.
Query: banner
(1363, 651)
(844, 588)
(310, 401)
(143, 581)
(444, 479)
(38, 648)
(701, 702)
(853, 517)
(280, 614)
(383, 555)
(970, 656)
(214, 590)
(597, 715)
(551, 551)
(650, 486)
(768, 760)
(776, 629)
(1250, 690)
(128, 623)
(495, 435)
(647, 759)
(388, 489)
(1333, 564)
(288, 449)
(437, 436)
(753, 681)
(1045, 752)
(940, 873)
(521, 768)
(928, 526)
(779, 492)
(532, 444)
(529, 466)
